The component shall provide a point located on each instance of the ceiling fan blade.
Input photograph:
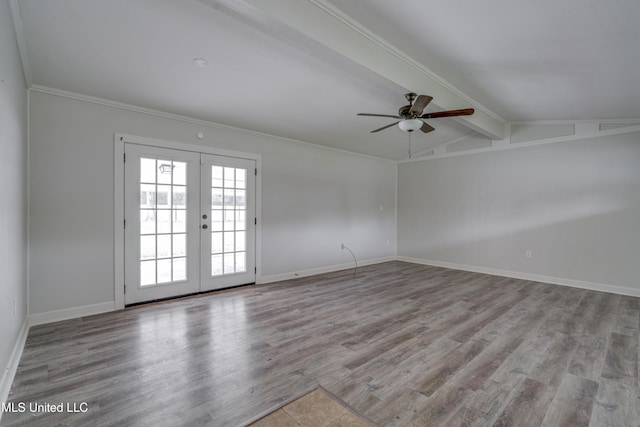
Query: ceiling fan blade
(378, 115)
(426, 128)
(420, 103)
(450, 113)
(384, 127)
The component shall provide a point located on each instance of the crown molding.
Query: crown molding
(573, 122)
(191, 120)
(501, 145)
(438, 151)
(440, 147)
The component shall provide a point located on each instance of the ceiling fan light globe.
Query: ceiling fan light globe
(410, 125)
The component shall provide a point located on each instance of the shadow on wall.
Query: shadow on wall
(589, 232)
(506, 219)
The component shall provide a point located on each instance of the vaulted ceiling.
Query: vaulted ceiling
(302, 69)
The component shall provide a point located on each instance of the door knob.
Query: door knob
(205, 226)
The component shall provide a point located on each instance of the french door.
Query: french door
(190, 222)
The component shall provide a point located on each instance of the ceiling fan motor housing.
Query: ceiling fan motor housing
(404, 111)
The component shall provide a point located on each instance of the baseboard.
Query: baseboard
(614, 289)
(88, 310)
(321, 270)
(14, 360)
(70, 313)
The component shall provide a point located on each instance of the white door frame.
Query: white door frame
(118, 199)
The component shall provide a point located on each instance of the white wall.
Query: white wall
(575, 205)
(13, 209)
(313, 199)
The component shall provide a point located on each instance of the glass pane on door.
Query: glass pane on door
(162, 237)
(162, 233)
(228, 220)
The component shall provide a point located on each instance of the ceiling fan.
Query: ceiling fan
(411, 117)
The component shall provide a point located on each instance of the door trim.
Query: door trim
(118, 199)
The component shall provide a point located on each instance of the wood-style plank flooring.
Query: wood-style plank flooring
(403, 344)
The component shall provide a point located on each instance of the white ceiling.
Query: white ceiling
(511, 60)
(525, 60)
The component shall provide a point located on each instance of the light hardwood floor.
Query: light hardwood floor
(403, 344)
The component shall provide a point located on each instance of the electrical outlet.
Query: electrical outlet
(528, 253)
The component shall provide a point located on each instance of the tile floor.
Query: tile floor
(316, 408)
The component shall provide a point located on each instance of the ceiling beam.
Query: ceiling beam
(323, 24)
(18, 29)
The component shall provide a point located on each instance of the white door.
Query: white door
(227, 222)
(190, 222)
